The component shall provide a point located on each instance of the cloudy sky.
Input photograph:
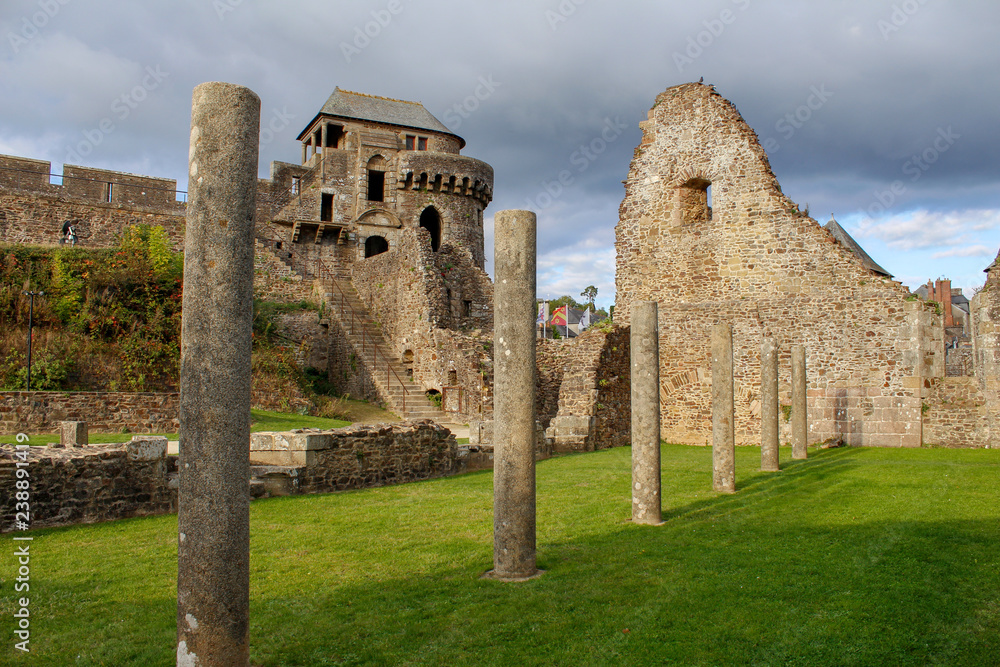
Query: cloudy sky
(883, 113)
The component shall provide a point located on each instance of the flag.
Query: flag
(585, 319)
(559, 316)
(541, 314)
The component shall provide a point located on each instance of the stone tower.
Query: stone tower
(386, 214)
(374, 169)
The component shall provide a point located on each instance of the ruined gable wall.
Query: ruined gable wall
(759, 263)
(985, 308)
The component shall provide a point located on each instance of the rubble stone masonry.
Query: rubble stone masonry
(706, 231)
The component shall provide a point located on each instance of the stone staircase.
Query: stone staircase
(403, 395)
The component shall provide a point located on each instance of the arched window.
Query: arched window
(376, 178)
(375, 245)
(695, 201)
(431, 221)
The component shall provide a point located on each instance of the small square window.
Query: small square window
(422, 144)
(410, 141)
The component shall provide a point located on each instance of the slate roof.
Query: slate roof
(359, 106)
(848, 242)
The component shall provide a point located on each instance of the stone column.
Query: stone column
(514, 397)
(723, 434)
(213, 577)
(769, 406)
(800, 427)
(645, 350)
(73, 434)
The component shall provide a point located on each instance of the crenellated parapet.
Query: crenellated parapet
(446, 174)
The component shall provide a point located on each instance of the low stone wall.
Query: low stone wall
(355, 457)
(104, 412)
(114, 412)
(956, 414)
(105, 482)
(89, 484)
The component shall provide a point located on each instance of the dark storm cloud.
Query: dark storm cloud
(844, 95)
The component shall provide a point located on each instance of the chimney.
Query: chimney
(942, 294)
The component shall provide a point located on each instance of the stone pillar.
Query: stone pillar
(514, 397)
(769, 406)
(800, 424)
(723, 433)
(645, 346)
(305, 152)
(73, 434)
(213, 577)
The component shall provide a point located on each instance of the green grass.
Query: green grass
(262, 421)
(853, 557)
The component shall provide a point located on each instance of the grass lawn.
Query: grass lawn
(854, 557)
(262, 421)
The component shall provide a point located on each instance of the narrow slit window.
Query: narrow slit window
(326, 208)
(376, 185)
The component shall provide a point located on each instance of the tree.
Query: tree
(590, 293)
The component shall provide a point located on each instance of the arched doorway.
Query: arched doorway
(430, 220)
(375, 245)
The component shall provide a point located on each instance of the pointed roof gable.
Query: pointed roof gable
(359, 106)
(845, 239)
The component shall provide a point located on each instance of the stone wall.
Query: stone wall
(753, 259)
(37, 219)
(104, 412)
(358, 456)
(417, 296)
(105, 482)
(986, 346)
(96, 483)
(114, 412)
(583, 392)
(274, 280)
(955, 414)
(33, 210)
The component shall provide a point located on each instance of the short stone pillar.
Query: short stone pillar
(769, 406)
(213, 576)
(723, 433)
(800, 424)
(514, 397)
(73, 434)
(645, 373)
(146, 448)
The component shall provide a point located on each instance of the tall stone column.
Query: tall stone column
(769, 406)
(213, 576)
(514, 397)
(723, 433)
(645, 350)
(800, 424)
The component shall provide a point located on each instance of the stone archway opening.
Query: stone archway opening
(695, 201)
(430, 220)
(375, 245)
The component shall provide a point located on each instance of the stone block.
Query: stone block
(73, 434)
(146, 448)
(289, 448)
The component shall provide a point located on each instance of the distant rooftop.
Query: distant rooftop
(848, 242)
(359, 106)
